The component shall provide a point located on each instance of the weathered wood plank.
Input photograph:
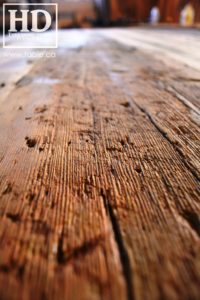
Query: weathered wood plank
(180, 46)
(148, 189)
(56, 239)
(12, 69)
(144, 79)
(95, 201)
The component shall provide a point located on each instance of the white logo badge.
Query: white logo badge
(26, 25)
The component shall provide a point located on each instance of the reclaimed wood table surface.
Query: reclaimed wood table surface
(99, 167)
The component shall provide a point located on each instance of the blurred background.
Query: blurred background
(104, 13)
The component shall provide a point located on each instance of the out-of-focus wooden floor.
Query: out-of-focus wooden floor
(99, 168)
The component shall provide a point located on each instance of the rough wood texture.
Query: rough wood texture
(99, 173)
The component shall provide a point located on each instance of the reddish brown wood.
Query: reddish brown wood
(99, 170)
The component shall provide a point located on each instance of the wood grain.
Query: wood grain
(99, 178)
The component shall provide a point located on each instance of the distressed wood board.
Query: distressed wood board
(99, 168)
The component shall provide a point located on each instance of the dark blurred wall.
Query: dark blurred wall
(196, 4)
(139, 10)
(169, 10)
(135, 10)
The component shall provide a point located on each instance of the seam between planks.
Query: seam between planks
(191, 218)
(187, 165)
(123, 254)
(193, 171)
(182, 99)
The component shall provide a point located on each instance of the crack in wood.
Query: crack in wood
(124, 257)
(193, 219)
(187, 165)
(60, 251)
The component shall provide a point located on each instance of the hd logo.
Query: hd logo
(25, 25)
